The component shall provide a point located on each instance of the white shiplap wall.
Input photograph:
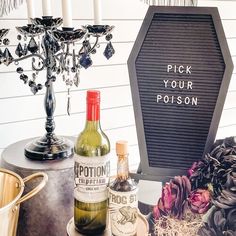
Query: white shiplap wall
(22, 114)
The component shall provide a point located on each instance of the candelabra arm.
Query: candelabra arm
(57, 57)
(29, 56)
(66, 54)
(94, 46)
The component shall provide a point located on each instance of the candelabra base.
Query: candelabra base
(45, 148)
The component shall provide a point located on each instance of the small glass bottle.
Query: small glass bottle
(92, 172)
(123, 202)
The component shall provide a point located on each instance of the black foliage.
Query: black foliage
(217, 172)
(220, 222)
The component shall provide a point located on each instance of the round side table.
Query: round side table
(49, 211)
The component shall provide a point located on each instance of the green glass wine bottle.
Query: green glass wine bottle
(92, 172)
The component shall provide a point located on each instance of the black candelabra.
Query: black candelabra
(54, 50)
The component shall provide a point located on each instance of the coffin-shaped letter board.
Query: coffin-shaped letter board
(179, 68)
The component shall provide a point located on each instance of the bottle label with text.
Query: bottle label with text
(91, 173)
(123, 212)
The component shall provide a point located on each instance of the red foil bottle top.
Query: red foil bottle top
(93, 96)
(93, 105)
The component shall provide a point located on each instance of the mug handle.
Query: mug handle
(36, 189)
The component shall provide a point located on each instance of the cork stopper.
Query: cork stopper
(122, 147)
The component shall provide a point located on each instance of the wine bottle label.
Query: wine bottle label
(123, 212)
(92, 173)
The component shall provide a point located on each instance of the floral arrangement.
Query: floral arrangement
(203, 203)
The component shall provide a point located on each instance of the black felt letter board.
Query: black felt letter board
(180, 68)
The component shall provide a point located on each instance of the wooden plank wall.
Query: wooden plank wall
(22, 114)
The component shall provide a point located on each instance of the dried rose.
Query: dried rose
(199, 201)
(174, 198)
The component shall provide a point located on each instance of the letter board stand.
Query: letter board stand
(180, 68)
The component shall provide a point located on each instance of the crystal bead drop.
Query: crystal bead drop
(7, 57)
(85, 61)
(19, 50)
(24, 78)
(25, 50)
(109, 51)
(6, 42)
(34, 89)
(32, 46)
(108, 37)
(32, 83)
(19, 37)
(39, 86)
(76, 79)
(19, 70)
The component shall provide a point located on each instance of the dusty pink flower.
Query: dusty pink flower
(199, 201)
(174, 198)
